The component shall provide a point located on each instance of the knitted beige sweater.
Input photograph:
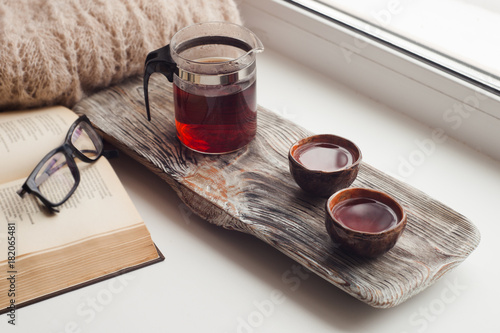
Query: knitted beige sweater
(58, 51)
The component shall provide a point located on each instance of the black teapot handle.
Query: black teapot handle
(158, 61)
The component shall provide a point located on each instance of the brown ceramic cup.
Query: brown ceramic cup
(324, 183)
(362, 243)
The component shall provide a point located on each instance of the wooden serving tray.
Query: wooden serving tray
(252, 191)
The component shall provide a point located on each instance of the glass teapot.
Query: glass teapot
(212, 67)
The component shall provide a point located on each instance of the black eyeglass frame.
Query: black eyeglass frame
(69, 151)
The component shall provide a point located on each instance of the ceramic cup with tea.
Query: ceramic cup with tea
(213, 70)
(364, 221)
(323, 164)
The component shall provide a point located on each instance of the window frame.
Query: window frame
(463, 109)
(381, 31)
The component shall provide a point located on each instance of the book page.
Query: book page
(99, 205)
(27, 136)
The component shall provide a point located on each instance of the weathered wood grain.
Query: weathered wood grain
(252, 191)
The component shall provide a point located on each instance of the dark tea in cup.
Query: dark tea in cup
(323, 156)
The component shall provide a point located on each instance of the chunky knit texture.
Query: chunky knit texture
(59, 51)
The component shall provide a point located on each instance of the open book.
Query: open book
(97, 234)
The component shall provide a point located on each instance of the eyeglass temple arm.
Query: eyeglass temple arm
(22, 191)
(111, 153)
(108, 153)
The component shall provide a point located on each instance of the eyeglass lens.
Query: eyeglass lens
(55, 180)
(85, 139)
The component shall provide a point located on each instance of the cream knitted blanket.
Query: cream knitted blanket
(59, 51)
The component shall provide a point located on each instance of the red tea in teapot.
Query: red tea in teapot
(218, 122)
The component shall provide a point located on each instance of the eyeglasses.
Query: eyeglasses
(56, 176)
